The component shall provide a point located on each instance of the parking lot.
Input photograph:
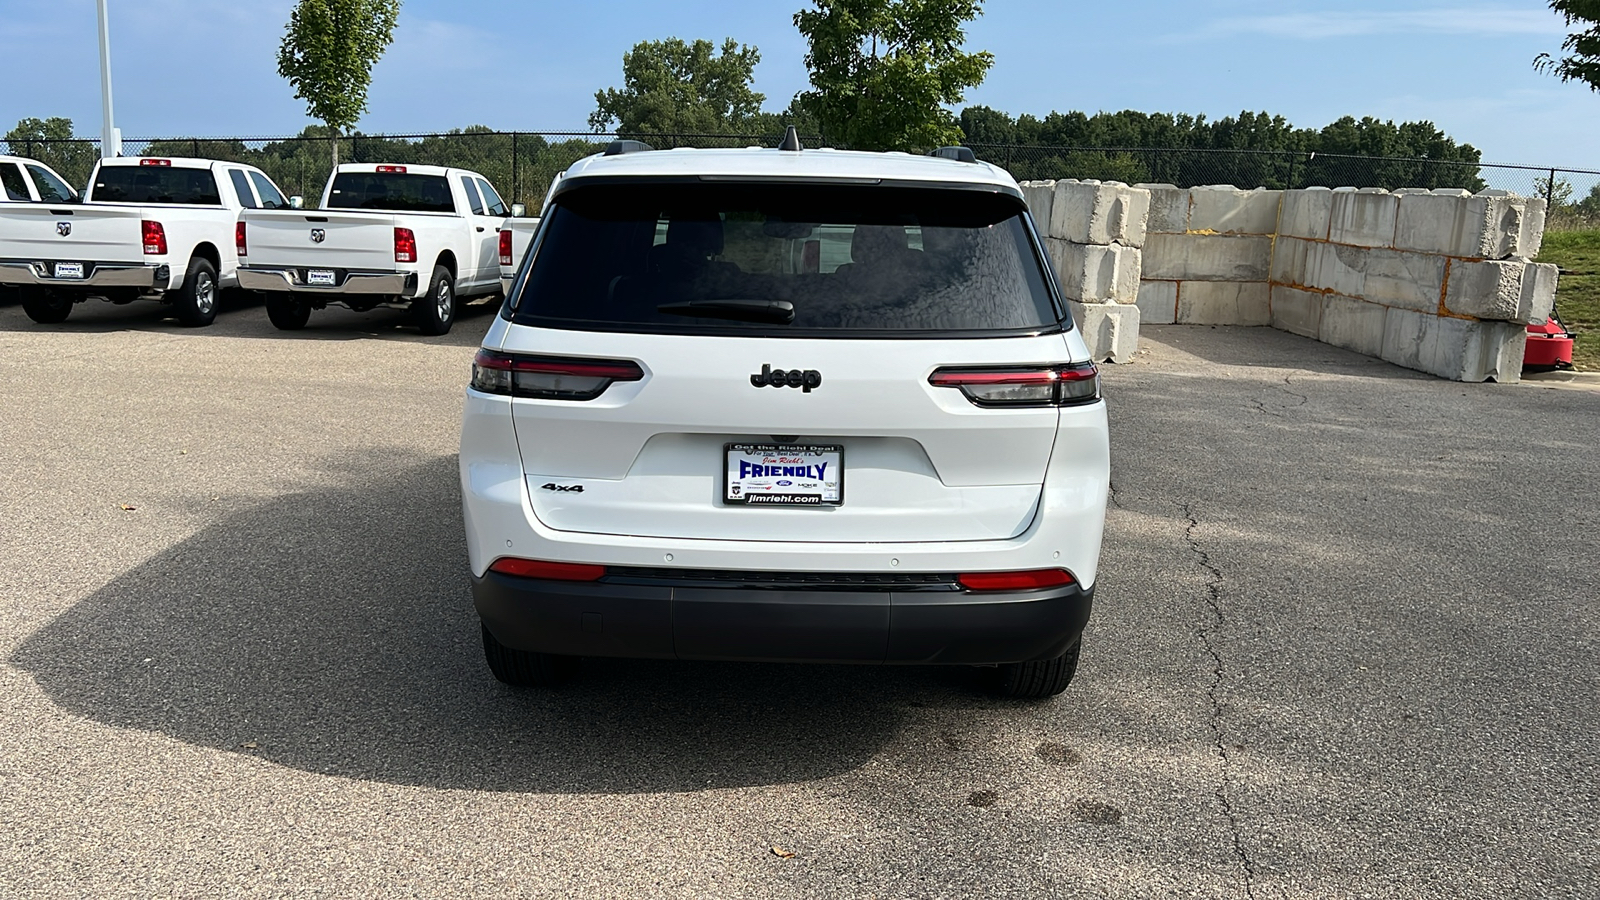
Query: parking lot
(1344, 646)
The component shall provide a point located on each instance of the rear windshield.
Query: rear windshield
(156, 184)
(394, 192)
(786, 259)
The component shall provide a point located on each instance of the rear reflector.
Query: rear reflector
(238, 240)
(1023, 385)
(392, 170)
(505, 246)
(553, 571)
(405, 245)
(155, 162)
(549, 377)
(1015, 581)
(155, 238)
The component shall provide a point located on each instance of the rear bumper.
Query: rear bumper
(96, 275)
(667, 621)
(293, 280)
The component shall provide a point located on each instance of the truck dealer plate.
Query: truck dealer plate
(784, 474)
(69, 270)
(321, 277)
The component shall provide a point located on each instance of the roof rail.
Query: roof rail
(959, 154)
(617, 148)
(791, 140)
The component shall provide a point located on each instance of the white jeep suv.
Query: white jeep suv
(785, 405)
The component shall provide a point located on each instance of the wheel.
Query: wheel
(1037, 679)
(524, 668)
(45, 307)
(288, 312)
(196, 301)
(436, 311)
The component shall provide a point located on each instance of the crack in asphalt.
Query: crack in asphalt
(1261, 405)
(1213, 597)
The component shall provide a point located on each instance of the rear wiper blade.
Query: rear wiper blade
(780, 312)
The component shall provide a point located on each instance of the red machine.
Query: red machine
(1549, 345)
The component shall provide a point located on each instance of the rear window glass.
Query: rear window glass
(786, 260)
(241, 186)
(394, 192)
(11, 179)
(51, 188)
(156, 184)
(271, 197)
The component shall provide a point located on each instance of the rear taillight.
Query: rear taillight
(553, 571)
(239, 241)
(1032, 580)
(155, 162)
(155, 238)
(1023, 385)
(505, 246)
(405, 245)
(391, 170)
(549, 377)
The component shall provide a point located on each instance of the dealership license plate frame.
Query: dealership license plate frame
(741, 498)
(322, 277)
(69, 271)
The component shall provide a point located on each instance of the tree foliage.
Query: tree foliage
(883, 71)
(1582, 62)
(51, 142)
(674, 87)
(328, 50)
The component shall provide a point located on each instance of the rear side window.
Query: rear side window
(391, 191)
(156, 185)
(472, 195)
(497, 207)
(51, 188)
(241, 186)
(271, 197)
(11, 180)
(787, 259)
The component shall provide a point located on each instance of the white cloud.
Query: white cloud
(1471, 20)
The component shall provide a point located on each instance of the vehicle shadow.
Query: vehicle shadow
(333, 632)
(1264, 347)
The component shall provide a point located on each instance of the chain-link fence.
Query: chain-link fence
(522, 164)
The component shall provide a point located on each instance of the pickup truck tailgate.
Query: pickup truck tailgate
(85, 233)
(326, 238)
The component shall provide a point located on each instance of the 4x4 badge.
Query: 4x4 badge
(804, 379)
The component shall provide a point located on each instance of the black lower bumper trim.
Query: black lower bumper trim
(716, 623)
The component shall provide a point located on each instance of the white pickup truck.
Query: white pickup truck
(387, 235)
(515, 236)
(148, 228)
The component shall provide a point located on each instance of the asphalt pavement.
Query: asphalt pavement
(1344, 646)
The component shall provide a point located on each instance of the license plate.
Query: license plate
(784, 474)
(319, 277)
(69, 270)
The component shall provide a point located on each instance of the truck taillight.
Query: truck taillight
(505, 246)
(239, 241)
(1002, 386)
(549, 377)
(405, 245)
(155, 162)
(155, 238)
(392, 170)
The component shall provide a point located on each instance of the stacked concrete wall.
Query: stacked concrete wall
(1208, 256)
(1093, 232)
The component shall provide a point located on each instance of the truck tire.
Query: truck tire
(1038, 679)
(435, 311)
(288, 312)
(44, 306)
(523, 668)
(196, 301)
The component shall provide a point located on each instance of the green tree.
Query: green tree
(328, 50)
(1582, 62)
(1557, 191)
(882, 71)
(51, 142)
(672, 87)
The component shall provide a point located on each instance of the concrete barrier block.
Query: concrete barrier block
(1306, 214)
(1491, 289)
(1432, 223)
(1458, 349)
(1364, 218)
(1099, 212)
(1204, 257)
(1093, 273)
(1538, 293)
(1353, 324)
(1390, 277)
(1158, 302)
(1289, 259)
(1224, 303)
(1228, 210)
(1039, 196)
(1296, 311)
(1110, 329)
(1531, 238)
(1169, 208)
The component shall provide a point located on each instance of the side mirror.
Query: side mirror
(297, 202)
(518, 210)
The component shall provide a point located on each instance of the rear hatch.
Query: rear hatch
(849, 299)
(324, 239)
(77, 233)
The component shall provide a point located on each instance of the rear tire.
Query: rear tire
(1037, 679)
(435, 312)
(44, 306)
(196, 301)
(288, 312)
(524, 668)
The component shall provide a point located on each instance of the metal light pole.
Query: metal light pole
(110, 137)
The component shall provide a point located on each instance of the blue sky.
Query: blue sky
(207, 67)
